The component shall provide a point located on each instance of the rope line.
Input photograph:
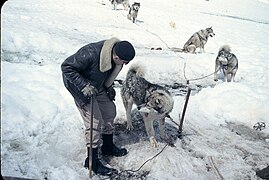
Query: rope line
(133, 171)
(202, 77)
(194, 79)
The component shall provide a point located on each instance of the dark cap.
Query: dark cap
(124, 50)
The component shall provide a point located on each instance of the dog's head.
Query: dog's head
(161, 101)
(136, 6)
(210, 32)
(224, 57)
(224, 54)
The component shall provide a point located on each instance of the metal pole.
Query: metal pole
(91, 132)
(184, 109)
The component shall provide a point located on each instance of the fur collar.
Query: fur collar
(106, 54)
(105, 61)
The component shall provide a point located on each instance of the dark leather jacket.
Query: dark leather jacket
(91, 64)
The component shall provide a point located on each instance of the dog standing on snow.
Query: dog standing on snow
(154, 102)
(125, 3)
(227, 63)
(133, 12)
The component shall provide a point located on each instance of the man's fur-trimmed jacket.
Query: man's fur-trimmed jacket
(92, 64)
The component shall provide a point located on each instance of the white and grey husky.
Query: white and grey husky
(125, 3)
(154, 102)
(197, 40)
(133, 12)
(227, 63)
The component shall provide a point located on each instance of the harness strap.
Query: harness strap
(201, 38)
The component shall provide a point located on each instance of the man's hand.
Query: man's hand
(111, 93)
(89, 90)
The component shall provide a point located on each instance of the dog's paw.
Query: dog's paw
(129, 127)
(153, 142)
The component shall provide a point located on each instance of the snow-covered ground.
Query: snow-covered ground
(42, 133)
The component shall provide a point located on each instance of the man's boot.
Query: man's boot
(263, 173)
(109, 148)
(97, 166)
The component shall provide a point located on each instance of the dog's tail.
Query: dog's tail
(175, 49)
(137, 69)
(225, 48)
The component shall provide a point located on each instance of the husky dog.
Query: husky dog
(198, 39)
(226, 62)
(125, 3)
(154, 102)
(133, 11)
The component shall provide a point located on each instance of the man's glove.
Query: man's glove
(89, 90)
(111, 93)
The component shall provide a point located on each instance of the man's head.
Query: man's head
(123, 52)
